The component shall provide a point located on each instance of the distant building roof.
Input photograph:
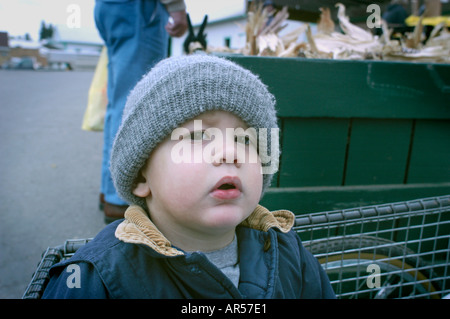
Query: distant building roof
(25, 44)
(62, 33)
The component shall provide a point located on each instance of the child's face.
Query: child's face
(191, 195)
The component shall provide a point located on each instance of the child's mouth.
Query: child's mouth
(228, 187)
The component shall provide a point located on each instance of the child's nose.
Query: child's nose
(228, 153)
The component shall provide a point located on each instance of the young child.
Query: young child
(188, 158)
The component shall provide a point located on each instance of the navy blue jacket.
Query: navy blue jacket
(111, 268)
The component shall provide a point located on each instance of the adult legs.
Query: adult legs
(136, 40)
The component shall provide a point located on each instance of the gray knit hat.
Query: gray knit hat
(176, 90)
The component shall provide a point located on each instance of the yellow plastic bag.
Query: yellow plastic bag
(94, 116)
(412, 21)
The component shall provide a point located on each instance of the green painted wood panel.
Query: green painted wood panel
(313, 152)
(346, 89)
(305, 200)
(378, 151)
(357, 133)
(430, 154)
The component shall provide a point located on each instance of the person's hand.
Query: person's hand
(178, 26)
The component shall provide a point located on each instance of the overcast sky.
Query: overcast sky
(18, 17)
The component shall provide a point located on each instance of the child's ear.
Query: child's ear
(141, 188)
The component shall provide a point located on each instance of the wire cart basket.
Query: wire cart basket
(397, 250)
(50, 257)
(389, 251)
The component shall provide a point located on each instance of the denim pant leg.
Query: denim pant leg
(136, 40)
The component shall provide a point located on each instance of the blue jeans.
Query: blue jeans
(134, 34)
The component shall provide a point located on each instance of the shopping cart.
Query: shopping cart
(50, 257)
(398, 250)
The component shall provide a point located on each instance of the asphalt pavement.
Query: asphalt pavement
(49, 169)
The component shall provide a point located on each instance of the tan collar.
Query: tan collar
(137, 228)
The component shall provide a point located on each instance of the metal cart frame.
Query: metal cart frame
(396, 250)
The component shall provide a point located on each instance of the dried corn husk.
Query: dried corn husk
(326, 24)
(353, 43)
(262, 35)
(350, 29)
(440, 36)
(436, 49)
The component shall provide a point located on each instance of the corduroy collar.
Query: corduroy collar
(137, 228)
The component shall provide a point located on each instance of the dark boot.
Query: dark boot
(113, 212)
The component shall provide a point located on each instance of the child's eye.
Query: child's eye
(242, 139)
(198, 136)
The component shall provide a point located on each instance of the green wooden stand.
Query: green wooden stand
(357, 133)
